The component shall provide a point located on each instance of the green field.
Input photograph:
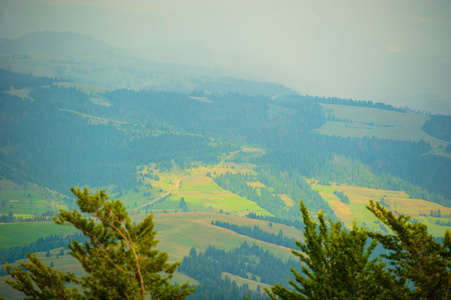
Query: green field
(372, 122)
(201, 193)
(21, 234)
(27, 201)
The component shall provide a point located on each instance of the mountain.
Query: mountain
(78, 57)
(52, 43)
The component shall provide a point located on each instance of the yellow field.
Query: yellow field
(178, 232)
(257, 184)
(397, 201)
(288, 201)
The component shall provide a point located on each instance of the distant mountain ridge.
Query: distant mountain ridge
(52, 42)
(81, 58)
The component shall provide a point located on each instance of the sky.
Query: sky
(397, 52)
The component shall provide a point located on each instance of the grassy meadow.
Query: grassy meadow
(28, 200)
(379, 123)
(201, 193)
(179, 232)
(22, 234)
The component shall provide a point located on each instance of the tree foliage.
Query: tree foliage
(415, 256)
(337, 263)
(120, 258)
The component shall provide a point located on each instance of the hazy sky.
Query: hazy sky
(397, 52)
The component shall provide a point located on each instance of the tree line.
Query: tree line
(11, 218)
(256, 233)
(343, 198)
(295, 223)
(247, 261)
(42, 244)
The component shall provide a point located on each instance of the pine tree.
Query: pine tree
(336, 264)
(415, 257)
(183, 205)
(120, 258)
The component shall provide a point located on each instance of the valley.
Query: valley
(196, 149)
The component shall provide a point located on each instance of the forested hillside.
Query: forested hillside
(61, 130)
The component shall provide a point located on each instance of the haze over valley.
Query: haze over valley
(396, 53)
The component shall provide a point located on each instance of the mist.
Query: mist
(393, 52)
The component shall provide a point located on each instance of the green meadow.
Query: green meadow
(201, 193)
(21, 234)
(27, 202)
